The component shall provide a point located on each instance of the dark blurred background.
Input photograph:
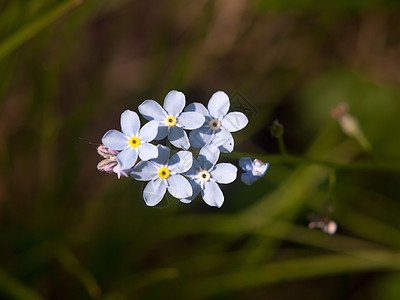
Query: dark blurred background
(68, 69)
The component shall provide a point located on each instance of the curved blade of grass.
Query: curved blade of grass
(31, 29)
(15, 289)
(72, 265)
(291, 269)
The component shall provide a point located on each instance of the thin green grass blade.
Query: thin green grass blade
(17, 39)
(16, 290)
(287, 270)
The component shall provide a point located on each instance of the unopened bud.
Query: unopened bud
(329, 227)
(340, 110)
(350, 125)
(276, 129)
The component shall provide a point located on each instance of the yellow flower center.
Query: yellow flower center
(170, 120)
(163, 173)
(134, 141)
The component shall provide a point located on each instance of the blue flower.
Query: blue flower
(171, 120)
(205, 174)
(254, 169)
(218, 123)
(164, 173)
(132, 142)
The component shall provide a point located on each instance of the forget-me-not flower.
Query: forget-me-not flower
(218, 123)
(205, 175)
(171, 120)
(164, 173)
(132, 141)
(254, 169)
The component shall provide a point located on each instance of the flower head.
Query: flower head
(205, 174)
(171, 121)
(218, 123)
(132, 142)
(254, 169)
(164, 173)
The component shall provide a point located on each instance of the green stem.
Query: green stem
(393, 166)
(31, 29)
(281, 146)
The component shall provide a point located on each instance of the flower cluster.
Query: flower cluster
(183, 175)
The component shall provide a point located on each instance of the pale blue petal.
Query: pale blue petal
(212, 194)
(258, 164)
(162, 132)
(154, 191)
(245, 163)
(248, 178)
(149, 131)
(130, 123)
(259, 168)
(144, 171)
(147, 151)
(163, 155)
(197, 107)
(200, 137)
(191, 120)
(151, 110)
(196, 190)
(174, 103)
(208, 157)
(115, 140)
(223, 140)
(193, 171)
(117, 170)
(178, 137)
(224, 173)
(127, 158)
(264, 169)
(234, 121)
(218, 105)
(180, 162)
(179, 186)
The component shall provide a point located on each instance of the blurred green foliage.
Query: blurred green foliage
(69, 68)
